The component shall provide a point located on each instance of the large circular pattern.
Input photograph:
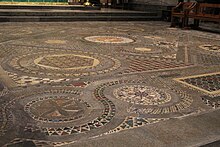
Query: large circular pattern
(58, 63)
(109, 39)
(158, 101)
(140, 94)
(59, 111)
(56, 109)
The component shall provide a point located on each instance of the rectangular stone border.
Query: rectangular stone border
(195, 87)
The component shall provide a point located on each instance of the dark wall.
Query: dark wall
(209, 1)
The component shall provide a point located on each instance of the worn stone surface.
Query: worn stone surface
(108, 84)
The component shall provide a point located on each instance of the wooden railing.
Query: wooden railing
(197, 11)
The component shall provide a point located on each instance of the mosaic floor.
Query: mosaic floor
(108, 84)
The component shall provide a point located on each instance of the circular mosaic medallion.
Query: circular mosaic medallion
(61, 64)
(108, 39)
(144, 95)
(141, 98)
(56, 109)
(214, 48)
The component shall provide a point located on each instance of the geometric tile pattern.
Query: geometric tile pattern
(208, 59)
(207, 83)
(108, 39)
(143, 95)
(144, 65)
(214, 102)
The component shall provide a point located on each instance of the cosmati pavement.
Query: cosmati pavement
(108, 84)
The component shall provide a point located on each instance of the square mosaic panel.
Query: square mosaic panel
(149, 65)
(208, 83)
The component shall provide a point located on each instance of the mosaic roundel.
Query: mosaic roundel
(108, 39)
(144, 95)
(56, 109)
(61, 64)
(214, 48)
(147, 99)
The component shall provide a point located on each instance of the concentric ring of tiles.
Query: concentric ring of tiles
(143, 95)
(62, 63)
(213, 48)
(109, 39)
(56, 109)
(66, 128)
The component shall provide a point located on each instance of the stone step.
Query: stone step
(65, 13)
(57, 7)
(75, 18)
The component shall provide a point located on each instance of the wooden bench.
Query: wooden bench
(204, 11)
(196, 11)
